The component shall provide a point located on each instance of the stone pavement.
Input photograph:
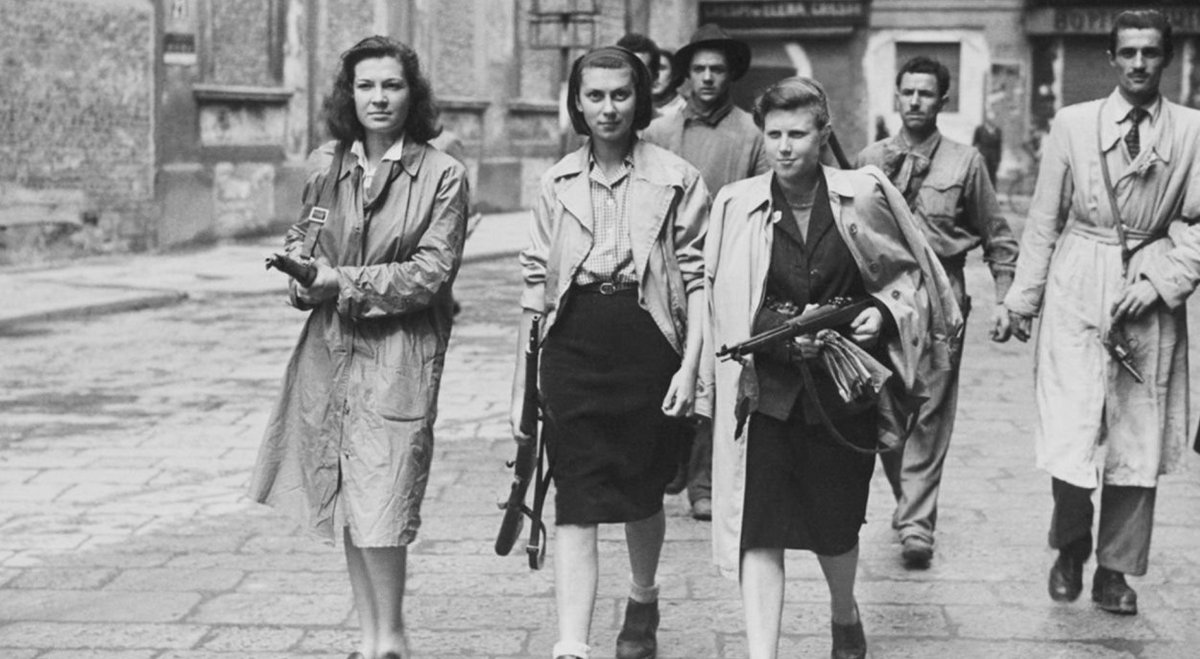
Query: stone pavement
(126, 441)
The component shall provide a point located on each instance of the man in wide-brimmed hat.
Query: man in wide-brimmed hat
(721, 141)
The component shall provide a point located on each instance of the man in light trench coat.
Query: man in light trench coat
(1095, 421)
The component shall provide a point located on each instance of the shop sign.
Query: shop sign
(774, 15)
(1093, 20)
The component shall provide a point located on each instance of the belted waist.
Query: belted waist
(1108, 235)
(605, 287)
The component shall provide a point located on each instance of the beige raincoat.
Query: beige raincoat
(353, 427)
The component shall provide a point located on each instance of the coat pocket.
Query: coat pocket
(939, 201)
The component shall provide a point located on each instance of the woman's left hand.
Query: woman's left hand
(681, 394)
(866, 327)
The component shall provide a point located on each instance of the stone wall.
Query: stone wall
(77, 113)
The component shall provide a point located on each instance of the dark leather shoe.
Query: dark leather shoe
(1066, 578)
(637, 639)
(1112, 594)
(916, 552)
(702, 510)
(849, 642)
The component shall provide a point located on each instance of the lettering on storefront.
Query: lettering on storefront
(1081, 20)
(776, 15)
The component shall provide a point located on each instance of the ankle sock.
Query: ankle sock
(643, 594)
(572, 649)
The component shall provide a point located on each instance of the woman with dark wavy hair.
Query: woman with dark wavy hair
(348, 446)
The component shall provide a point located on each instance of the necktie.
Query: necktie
(1133, 138)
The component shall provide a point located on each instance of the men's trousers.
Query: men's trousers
(915, 470)
(699, 484)
(1126, 523)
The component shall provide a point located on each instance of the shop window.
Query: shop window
(948, 53)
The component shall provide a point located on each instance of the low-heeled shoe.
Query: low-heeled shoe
(637, 639)
(1066, 578)
(1112, 594)
(849, 641)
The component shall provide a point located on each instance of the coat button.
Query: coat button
(895, 295)
(874, 268)
(814, 273)
(853, 229)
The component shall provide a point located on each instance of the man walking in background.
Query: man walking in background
(948, 190)
(721, 141)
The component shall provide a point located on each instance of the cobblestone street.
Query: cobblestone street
(126, 441)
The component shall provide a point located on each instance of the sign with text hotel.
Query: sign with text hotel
(775, 15)
(1098, 20)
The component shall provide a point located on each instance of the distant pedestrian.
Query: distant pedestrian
(668, 98)
(947, 189)
(614, 267)
(793, 457)
(1110, 284)
(349, 443)
(881, 129)
(722, 141)
(988, 139)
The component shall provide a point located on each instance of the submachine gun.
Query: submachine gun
(531, 452)
(836, 313)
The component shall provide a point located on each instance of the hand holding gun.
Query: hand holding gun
(837, 313)
(302, 268)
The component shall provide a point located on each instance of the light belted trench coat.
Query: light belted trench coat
(1069, 271)
(899, 269)
(668, 213)
(354, 422)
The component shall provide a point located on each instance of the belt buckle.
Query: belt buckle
(608, 288)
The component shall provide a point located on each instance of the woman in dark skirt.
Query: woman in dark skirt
(614, 267)
(792, 456)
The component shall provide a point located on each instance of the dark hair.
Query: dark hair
(640, 43)
(610, 57)
(421, 125)
(922, 64)
(793, 93)
(1143, 19)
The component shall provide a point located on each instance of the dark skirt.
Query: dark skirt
(804, 490)
(605, 368)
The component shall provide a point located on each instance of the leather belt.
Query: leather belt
(606, 287)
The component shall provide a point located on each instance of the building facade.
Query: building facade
(132, 124)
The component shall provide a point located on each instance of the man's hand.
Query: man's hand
(866, 327)
(1020, 325)
(324, 287)
(681, 394)
(1136, 300)
(1001, 324)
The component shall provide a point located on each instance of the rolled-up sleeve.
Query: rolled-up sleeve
(691, 223)
(999, 245)
(534, 257)
(390, 289)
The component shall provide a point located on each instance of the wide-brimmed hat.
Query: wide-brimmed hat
(711, 36)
